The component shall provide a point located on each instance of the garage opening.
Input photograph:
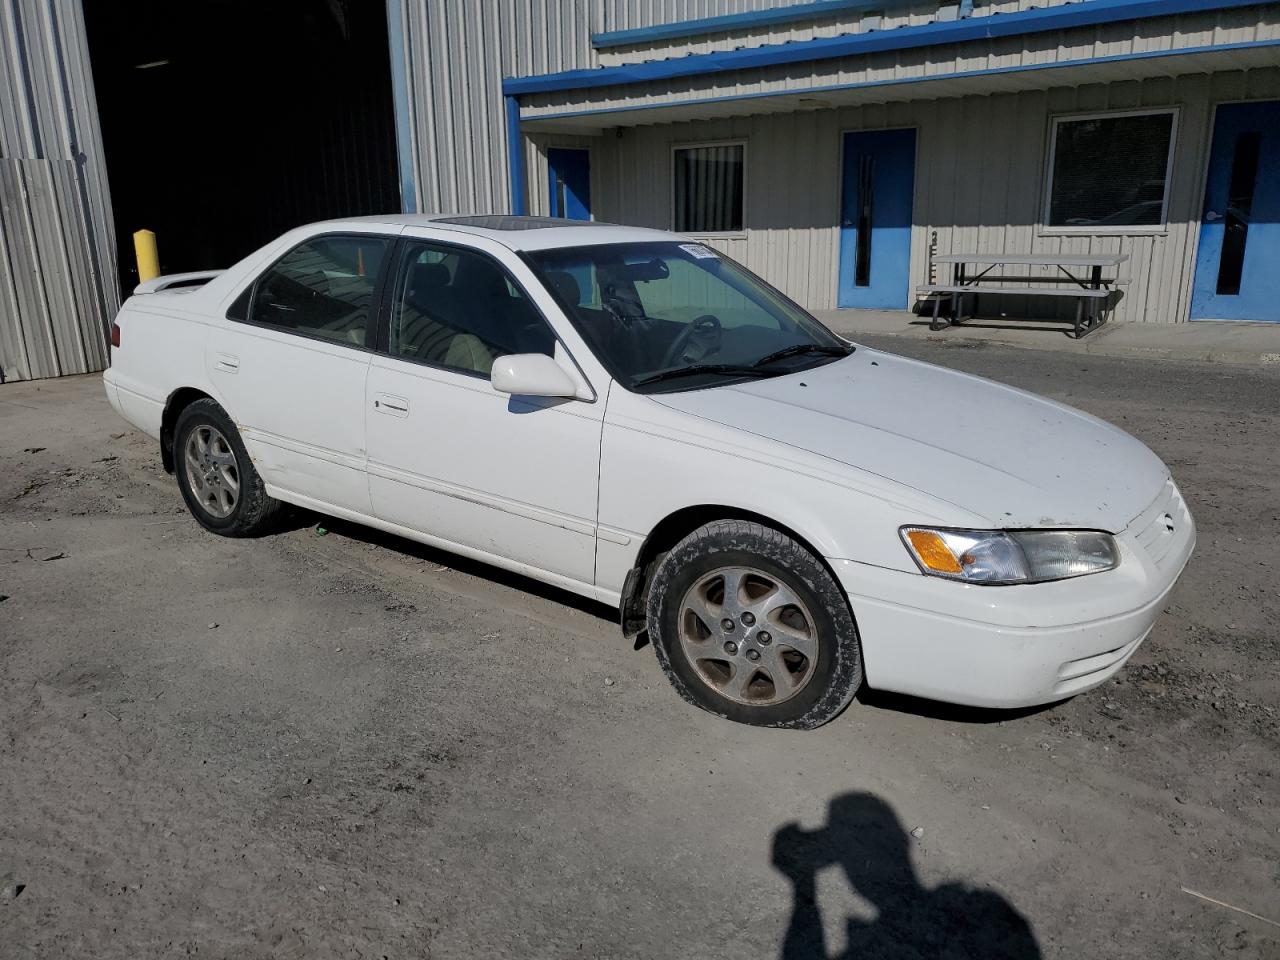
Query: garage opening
(227, 122)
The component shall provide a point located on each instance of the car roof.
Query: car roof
(521, 233)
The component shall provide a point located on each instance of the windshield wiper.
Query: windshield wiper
(796, 349)
(721, 369)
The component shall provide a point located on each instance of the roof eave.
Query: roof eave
(937, 33)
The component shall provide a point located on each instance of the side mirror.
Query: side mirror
(531, 375)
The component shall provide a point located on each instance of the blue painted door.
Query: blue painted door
(570, 183)
(1238, 263)
(875, 218)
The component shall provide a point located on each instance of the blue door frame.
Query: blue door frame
(875, 218)
(1237, 272)
(569, 173)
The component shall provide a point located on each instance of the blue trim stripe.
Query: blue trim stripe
(515, 158)
(738, 21)
(1088, 13)
(931, 78)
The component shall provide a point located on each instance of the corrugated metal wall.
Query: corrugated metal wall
(836, 22)
(822, 24)
(456, 54)
(982, 193)
(57, 258)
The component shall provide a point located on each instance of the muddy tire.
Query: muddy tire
(218, 481)
(749, 625)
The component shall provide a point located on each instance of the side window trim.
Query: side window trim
(377, 339)
(371, 322)
(387, 305)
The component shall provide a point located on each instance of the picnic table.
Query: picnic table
(1079, 275)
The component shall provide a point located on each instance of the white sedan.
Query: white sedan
(630, 415)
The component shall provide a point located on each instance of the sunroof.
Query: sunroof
(498, 222)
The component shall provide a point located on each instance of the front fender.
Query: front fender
(656, 461)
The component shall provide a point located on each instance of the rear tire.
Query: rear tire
(218, 481)
(748, 624)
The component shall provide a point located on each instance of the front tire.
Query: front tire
(218, 481)
(749, 625)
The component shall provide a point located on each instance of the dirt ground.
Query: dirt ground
(351, 746)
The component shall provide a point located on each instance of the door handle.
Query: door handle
(391, 405)
(1212, 216)
(226, 363)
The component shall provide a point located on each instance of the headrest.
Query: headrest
(566, 285)
(426, 277)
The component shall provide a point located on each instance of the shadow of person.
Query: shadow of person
(865, 838)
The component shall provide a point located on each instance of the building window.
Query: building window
(1110, 171)
(709, 188)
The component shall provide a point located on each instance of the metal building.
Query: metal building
(1122, 127)
(57, 252)
(1148, 129)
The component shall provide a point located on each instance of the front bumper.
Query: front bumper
(1018, 646)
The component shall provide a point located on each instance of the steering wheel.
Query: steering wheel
(705, 330)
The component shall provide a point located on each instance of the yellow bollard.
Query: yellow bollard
(144, 248)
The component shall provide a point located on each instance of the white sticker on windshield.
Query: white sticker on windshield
(699, 251)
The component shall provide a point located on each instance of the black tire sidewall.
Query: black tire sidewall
(243, 518)
(838, 672)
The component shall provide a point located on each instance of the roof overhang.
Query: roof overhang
(936, 33)
(586, 117)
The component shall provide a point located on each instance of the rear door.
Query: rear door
(290, 367)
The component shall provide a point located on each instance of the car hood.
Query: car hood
(1008, 456)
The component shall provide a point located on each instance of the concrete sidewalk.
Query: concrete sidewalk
(1215, 341)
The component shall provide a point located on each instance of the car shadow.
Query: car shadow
(300, 518)
(954, 712)
(865, 840)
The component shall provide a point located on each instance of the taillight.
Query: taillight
(115, 334)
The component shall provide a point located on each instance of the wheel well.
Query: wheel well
(670, 531)
(179, 400)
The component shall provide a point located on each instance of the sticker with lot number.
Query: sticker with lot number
(699, 251)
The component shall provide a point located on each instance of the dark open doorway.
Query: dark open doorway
(227, 122)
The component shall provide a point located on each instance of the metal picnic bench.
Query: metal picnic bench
(1090, 292)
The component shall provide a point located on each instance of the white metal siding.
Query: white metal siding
(979, 183)
(834, 23)
(456, 55)
(57, 254)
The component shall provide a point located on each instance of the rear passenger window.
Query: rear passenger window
(458, 309)
(323, 288)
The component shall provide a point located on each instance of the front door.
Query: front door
(570, 175)
(875, 218)
(514, 478)
(1236, 266)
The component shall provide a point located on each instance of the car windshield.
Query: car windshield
(678, 316)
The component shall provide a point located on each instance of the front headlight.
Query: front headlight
(996, 557)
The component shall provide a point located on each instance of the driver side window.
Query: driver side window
(459, 309)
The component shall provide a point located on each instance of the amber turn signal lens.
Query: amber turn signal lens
(934, 552)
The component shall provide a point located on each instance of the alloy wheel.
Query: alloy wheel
(212, 473)
(749, 636)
